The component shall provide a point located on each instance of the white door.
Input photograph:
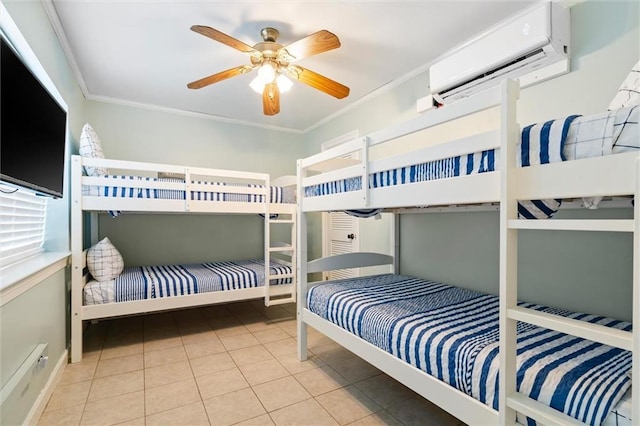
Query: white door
(340, 230)
(341, 235)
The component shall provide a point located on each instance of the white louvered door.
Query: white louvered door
(341, 236)
(340, 230)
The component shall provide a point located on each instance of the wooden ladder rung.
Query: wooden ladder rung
(605, 225)
(280, 249)
(595, 332)
(280, 276)
(539, 411)
(282, 301)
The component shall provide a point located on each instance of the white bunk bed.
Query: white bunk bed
(136, 187)
(611, 175)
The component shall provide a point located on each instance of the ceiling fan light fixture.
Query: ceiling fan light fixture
(257, 85)
(266, 73)
(273, 63)
(284, 83)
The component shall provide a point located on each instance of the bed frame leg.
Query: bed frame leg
(302, 337)
(76, 339)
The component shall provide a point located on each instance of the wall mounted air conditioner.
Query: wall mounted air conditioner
(531, 46)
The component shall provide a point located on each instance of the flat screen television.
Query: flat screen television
(32, 128)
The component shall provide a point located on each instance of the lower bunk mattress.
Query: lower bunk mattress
(453, 335)
(152, 282)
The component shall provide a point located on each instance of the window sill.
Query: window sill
(17, 279)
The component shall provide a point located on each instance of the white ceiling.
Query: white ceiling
(143, 52)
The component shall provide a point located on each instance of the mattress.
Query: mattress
(453, 335)
(151, 282)
(570, 138)
(119, 189)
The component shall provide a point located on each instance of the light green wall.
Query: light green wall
(588, 272)
(35, 317)
(40, 314)
(581, 271)
(136, 134)
(170, 239)
(393, 106)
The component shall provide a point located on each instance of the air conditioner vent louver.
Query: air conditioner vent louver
(530, 41)
(497, 72)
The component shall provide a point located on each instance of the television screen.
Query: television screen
(32, 129)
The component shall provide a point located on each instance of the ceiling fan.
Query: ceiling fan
(275, 63)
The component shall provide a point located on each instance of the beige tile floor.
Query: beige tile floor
(225, 365)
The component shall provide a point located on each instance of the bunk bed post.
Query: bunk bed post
(76, 259)
(93, 223)
(365, 171)
(267, 240)
(294, 256)
(301, 266)
(395, 242)
(508, 249)
(635, 357)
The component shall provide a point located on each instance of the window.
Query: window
(22, 212)
(22, 224)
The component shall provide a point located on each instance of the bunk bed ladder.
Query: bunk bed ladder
(272, 294)
(510, 400)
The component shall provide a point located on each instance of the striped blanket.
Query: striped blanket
(452, 334)
(539, 144)
(120, 189)
(569, 138)
(150, 282)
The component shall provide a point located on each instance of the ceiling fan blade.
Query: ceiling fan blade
(223, 38)
(313, 44)
(214, 78)
(319, 82)
(271, 99)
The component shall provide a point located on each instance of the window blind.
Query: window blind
(22, 225)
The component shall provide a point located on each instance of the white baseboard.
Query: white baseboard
(41, 402)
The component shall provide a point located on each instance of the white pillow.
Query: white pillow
(628, 94)
(104, 261)
(90, 147)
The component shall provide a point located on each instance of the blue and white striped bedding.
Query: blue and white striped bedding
(152, 282)
(452, 334)
(119, 189)
(573, 137)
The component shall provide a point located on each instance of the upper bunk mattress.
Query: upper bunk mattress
(152, 282)
(120, 189)
(570, 138)
(453, 335)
